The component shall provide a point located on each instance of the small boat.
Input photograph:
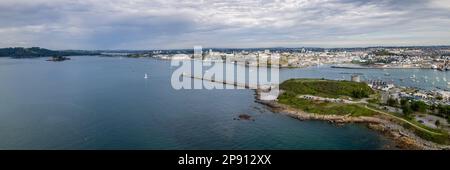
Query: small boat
(145, 76)
(387, 74)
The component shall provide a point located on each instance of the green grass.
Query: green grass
(324, 107)
(343, 89)
(442, 138)
(425, 127)
(325, 88)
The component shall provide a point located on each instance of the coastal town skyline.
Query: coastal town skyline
(140, 25)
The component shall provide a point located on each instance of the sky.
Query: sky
(174, 24)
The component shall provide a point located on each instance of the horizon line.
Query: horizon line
(166, 49)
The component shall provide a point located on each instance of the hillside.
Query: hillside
(326, 88)
(20, 52)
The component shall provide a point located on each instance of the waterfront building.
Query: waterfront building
(356, 78)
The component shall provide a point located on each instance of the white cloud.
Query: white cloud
(440, 4)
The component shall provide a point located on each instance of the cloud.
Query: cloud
(161, 24)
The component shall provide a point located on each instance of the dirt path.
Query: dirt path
(404, 120)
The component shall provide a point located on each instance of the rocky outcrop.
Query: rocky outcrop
(404, 138)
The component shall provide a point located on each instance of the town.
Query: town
(429, 107)
(433, 57)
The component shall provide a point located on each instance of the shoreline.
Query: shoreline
(402, 137)
(369, 67)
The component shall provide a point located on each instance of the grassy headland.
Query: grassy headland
(327, 89)
(345, 98)
(20, 52)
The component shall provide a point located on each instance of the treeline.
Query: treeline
(441, 110)
(383, 53)
(20, 52)
(410, 107)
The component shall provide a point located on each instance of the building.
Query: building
(380, 85)
(356, 78)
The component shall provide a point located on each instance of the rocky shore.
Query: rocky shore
(403, 138)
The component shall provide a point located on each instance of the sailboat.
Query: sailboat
(145, 76)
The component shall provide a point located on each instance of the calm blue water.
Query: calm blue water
(105, 103)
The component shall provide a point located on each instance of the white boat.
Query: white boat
(145, 76)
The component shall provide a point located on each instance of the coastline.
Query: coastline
(402, 137)
(371, 67)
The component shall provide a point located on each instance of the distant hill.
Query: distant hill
(20, 52)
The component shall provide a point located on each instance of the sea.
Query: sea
(102, 103)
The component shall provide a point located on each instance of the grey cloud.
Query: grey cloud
(138, 24)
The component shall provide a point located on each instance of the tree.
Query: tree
(407, 110)
(406, 107)
(404, 102)
(444, 111)
(392, 102)
(419, 106)
(437, 123)
(360, 93)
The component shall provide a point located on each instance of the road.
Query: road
(404, 120)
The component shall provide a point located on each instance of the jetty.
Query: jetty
(265, 92)
(233, 83)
